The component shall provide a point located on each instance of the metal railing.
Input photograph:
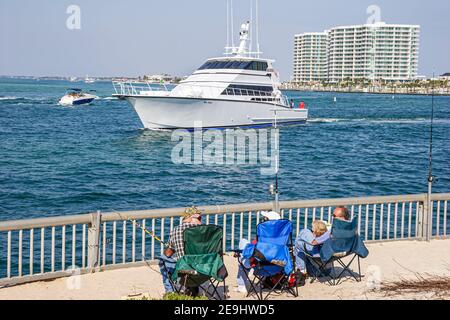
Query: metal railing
(200, 91)
(49, 248)
(137, 88)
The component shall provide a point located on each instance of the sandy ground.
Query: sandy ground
(386, 262)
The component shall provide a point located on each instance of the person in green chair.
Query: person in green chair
(192, 217)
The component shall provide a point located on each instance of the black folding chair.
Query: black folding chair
(345, 242)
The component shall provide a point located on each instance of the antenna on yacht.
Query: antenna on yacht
(229, 50)
(227, 47)
(252, 27)
(232, 23)
(431, 178)
(258, 53)
(250, 31)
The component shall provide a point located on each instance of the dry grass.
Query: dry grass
(424, 285)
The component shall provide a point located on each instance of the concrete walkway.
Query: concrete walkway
(386, 262)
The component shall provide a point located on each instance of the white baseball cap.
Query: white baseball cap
(271, 215)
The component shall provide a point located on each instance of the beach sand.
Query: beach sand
(390, 261)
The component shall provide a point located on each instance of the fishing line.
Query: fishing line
(144, 229)
(431, 178)
(150, 234)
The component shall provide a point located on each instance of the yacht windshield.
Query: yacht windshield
(239, 65)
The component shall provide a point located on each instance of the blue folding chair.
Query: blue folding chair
(344, 242)
(271, 259)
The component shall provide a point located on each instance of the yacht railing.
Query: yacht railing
(202, 91)
(136, 88)
(48, 248)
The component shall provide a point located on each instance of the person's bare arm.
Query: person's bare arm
(169, 251)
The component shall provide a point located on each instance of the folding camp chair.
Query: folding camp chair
(345, 242)
(272, 260)
(202, 265)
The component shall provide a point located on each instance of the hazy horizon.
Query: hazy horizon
(148, 37)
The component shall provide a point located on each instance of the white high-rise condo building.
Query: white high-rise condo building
(310, 57)
(371, 52)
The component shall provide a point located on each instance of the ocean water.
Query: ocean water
(57, 160)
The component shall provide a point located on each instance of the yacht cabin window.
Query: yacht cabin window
(237, 65)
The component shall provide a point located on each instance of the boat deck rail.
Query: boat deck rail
(136, 88)
(127, 88)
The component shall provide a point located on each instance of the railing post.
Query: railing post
(420, 216)
(94, 241)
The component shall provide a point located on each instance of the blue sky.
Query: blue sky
(137, 37)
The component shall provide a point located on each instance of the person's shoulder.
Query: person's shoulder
(191, 225)
(183, 226)
(177, 229)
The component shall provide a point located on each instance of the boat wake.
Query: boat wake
(327, 120)
(8, 98)
(376, 120)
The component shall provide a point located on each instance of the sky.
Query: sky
(137, 37)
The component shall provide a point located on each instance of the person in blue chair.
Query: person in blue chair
(311, 240)
(175, 249)
(242, 281)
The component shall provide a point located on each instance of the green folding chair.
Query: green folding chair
(202, 265)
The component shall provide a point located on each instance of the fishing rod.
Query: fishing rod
(154, 236)
(274, 189)
(431, 177)
(277, 164)
(148, 232)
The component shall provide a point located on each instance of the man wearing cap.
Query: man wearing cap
(175, 249)
(242, 281)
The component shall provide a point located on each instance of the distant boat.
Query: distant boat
(75, 97)
(73, 79)
(89, 80)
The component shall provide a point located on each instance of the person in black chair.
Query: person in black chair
(309, 241)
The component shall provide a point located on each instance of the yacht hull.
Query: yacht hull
(159, 113)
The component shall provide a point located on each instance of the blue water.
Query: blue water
(58, 160)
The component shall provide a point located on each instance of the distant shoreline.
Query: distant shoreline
(366, 92)
(441, 91)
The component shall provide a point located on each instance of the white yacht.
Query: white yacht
(236, 90)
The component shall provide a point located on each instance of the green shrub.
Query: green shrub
(167, 296)
(176, 296)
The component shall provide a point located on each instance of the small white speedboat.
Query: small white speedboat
(75, 97)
